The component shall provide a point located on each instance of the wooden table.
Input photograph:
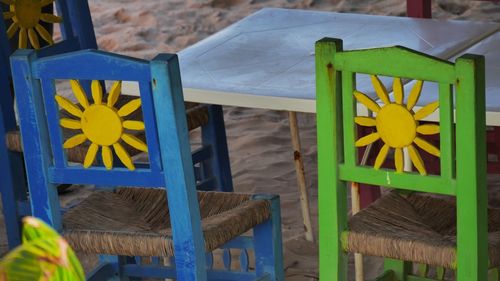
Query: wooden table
(266, 60)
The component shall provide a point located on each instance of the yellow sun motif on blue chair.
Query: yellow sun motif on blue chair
(26, 16)
(102, 124)
(397, 125)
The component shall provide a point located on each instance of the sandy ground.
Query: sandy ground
(259, 142)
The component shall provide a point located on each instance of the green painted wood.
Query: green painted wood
(389, 62)
(337, 161)
(389, 178)
(332, 192)
(472, 238)
(446, 131)
(388, 275)
(401, 269)
(349, 107)
(493, 274)
(418, 278)
(423, 270)
(440, 272)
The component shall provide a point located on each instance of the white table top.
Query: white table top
(266, 60)
(490, 48)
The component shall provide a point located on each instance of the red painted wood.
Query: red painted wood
(419, 8)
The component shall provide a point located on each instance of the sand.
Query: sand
(259, 140)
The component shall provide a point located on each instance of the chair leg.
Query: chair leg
(214, 135)
(493, 274)
(268, 243)
(107, 269)
(400, 268)
(14, 190)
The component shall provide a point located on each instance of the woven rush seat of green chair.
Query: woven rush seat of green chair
(113, 222)
(196, 116)
(415, 228)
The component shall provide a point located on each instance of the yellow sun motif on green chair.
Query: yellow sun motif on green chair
(102, 124)
(397, 125)
(26, 16)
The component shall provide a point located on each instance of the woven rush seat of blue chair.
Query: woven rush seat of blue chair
(113, 222)
(415, 228)
(196, 116)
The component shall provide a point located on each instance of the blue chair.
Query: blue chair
(77, 33)
(211, 161)
(134, 222)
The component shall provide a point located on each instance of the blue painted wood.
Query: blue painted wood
(201, 154)
(13, 186)
(209, 260)
(81, 21)
(43, 193)
(176, 154)
(102, 177)
(151, 271)
(10, 163)
(268, 243)
(65, 25)
(244, 260)
(151, 127)
(60, 159)
(103, 271)
(214, 136)
(226, 258)
(240, 242)
(9, 195)
(207, 184)
(62, 67)
(164, 115)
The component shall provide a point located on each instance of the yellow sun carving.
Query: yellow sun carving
(397, 125)
(26, 16)
(102, 124)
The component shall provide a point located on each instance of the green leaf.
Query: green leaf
(44, 255)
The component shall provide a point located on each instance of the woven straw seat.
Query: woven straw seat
(135, 221)
(196, 114)
(414, 228)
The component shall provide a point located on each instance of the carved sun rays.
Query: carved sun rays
(397, 125)
(102, 124)
(26, 16)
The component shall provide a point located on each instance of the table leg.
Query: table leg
(301, 178)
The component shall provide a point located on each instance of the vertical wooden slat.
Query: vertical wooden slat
(332, 194)
(151, 129)
(268, 243)
(447, 145)
(419, 8)
(81, 23)
(472, 239)
(400, 268)
(179, 177)
(43, 193)
(66, 24)
(213, 134)
(349, 107)
(54, 130)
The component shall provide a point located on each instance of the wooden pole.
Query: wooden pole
(301, 178)
(356, 207)
(419, 8)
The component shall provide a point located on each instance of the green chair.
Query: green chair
(449, 231)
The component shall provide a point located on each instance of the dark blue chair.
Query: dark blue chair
(134, 222)
(212, 164)
(77, 33)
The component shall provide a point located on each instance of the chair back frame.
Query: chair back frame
(464, 178)
(163, 109)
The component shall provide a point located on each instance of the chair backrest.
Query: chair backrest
(397, 126)
(76, 29)
(104, 125)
